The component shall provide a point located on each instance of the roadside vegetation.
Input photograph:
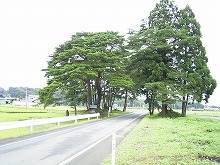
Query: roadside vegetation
(191, 140)
(205, 113)
(16, 113)
(164, 61)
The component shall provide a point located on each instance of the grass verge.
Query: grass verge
(190, 140)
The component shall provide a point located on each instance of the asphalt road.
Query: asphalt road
(85, 144)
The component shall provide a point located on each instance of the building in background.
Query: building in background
(32, 100)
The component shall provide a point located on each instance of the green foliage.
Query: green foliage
(164, 60)
(46, 95)
(153, 65)
(194, 78)
(192, 65)
(20, 92)
(169, 62)
(87, 67)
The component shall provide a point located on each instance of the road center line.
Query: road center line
(94, 144)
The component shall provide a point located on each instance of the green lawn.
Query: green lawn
(191, 140)
(19, 113)
(204, 113)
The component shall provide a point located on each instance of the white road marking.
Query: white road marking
(94, 144)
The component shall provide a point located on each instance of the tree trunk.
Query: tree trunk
(113, 96)
(150, 108)
(75, 110)
(110, 100)
(164, 109)
(184, 105)
(89, 94)
(103, 102)
(99, 90)
(126, 100)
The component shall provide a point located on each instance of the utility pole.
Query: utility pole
(26, 98)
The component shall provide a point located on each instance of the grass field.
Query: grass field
(19, 113)
(204, 113)
(192, 140)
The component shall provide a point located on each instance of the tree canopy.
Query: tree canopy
(172, 60)
(90, 68)
(164, 60)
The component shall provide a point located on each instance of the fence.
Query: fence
(35, 122)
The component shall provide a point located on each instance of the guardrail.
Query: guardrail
(34, 122)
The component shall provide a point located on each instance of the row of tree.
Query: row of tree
(18, 92)
(164, 60)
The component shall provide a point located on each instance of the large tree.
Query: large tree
(169, 61)
(191, 61)
(91, 60)
(152, 55)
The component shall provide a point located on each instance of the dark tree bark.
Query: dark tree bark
(184, 105)
(151, 108)
(89, 94)
(164, 109)
(75, 110)
(110, 100)
(126, 100)
(99, 90)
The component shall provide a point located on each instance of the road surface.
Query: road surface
(77, 144)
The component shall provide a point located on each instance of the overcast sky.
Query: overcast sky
(31, 29)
